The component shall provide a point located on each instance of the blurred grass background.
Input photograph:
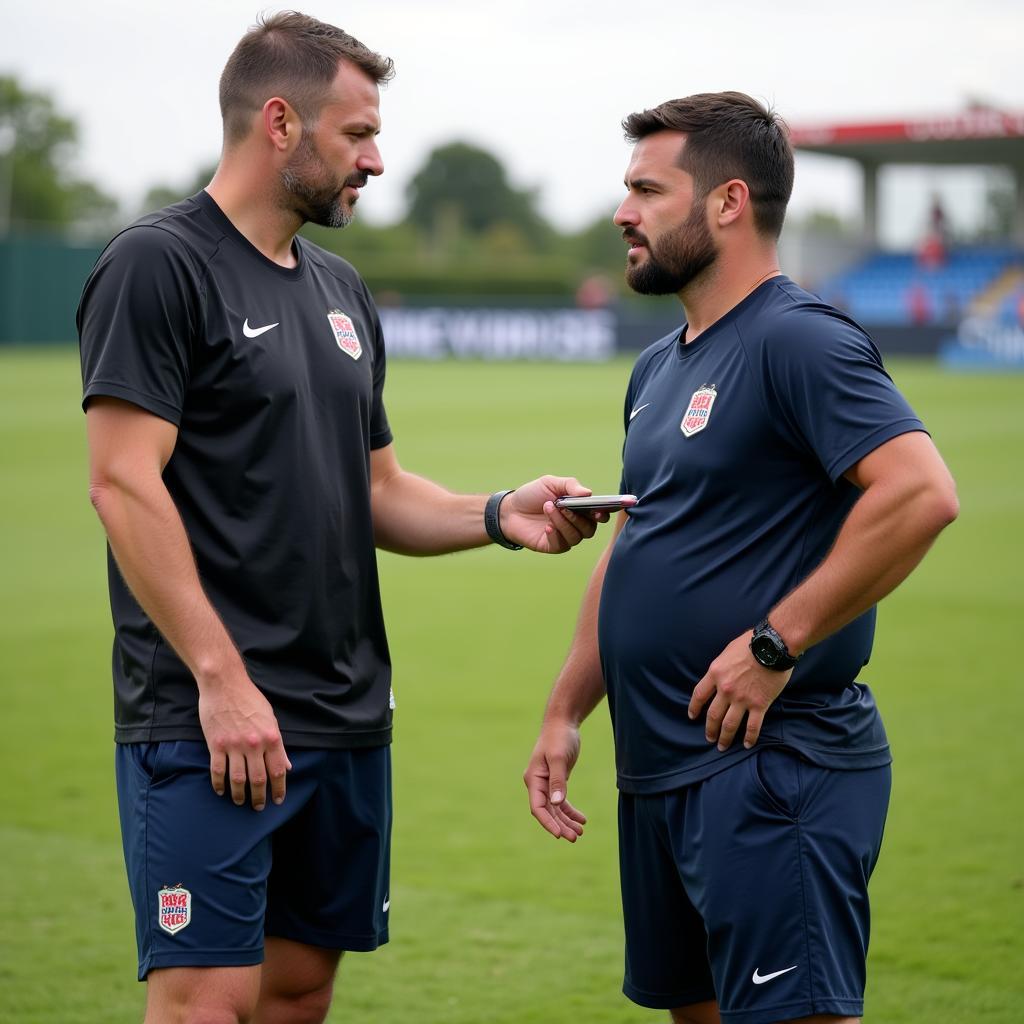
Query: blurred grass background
(492, 920)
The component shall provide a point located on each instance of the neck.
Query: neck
(247, 196)
(725, 284)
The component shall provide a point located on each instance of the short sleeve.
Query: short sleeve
(137, 321)
(832, 393)
(380, 429)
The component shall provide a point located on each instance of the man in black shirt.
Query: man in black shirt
(243, 467)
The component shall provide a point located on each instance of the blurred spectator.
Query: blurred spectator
(938, 224)
(932, 251)
(594, 292)
(919, 304)
(931, 254)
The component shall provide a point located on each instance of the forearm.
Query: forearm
(580, 685)
(152, 551)
(886, 535)
(414, 516)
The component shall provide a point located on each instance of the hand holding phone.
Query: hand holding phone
(597, 503)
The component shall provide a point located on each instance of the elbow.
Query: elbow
(106, 494)
(100, 496)
(943, 506)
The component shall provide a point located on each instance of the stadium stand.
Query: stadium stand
(897, 288)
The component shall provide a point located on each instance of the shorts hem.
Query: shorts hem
(329, 940)
(787, 1011)
(200, 958)
(666, 1001)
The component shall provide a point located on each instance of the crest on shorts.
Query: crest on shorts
(345, 333)
(698, 412)
(174, 908)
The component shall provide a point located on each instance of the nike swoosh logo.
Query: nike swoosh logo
(255, 332)
(387, 905)
(760, 979)
(639, 409)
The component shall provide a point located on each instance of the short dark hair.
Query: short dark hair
(728, 135)
(292, 56)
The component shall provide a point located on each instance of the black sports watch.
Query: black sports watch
(492, 520)
(769, 649)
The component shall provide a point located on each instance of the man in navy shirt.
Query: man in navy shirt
(243, 466)
(785, 486)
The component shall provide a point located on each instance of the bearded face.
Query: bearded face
(675, 258)
(314, 192)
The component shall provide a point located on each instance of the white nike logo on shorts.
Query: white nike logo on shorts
(760, 979)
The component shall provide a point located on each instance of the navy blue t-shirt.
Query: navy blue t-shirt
(736, 445)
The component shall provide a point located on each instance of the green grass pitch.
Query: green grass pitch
(494, 922)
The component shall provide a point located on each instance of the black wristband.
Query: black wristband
(492, 520)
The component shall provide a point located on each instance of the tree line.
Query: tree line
(465, 229)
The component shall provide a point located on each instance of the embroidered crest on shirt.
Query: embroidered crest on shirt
(345, 333)
(174, 908)
(698, 412)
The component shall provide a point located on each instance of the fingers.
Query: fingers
(541, 808)
(714, 719)
(256, 769)
(252, 765)
(701, 692)
(730, 724)
(568, 485)
(545, 784)
(571, 527)
(218, 768)
(278, 767)
(754, 722)
(237, 775)
(562, 820)
(570, 812)
(570, 828)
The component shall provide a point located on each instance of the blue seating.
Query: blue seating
(895, 288)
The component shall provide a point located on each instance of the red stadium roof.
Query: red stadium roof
(976, 136)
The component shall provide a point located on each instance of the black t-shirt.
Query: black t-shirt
(736, 445)
(273, 377)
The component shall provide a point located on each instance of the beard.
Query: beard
(676, 259)
(312, 191)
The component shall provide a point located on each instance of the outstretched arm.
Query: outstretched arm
(414, 516)
(577, 691)
(908, 498)
(128, 450)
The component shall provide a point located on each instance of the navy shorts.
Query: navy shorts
(750, 888)
(209, 879)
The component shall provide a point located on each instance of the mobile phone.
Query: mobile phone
(597, 503)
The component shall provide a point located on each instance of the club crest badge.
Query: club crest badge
(698, 412)
(345, 333)
(174, 908)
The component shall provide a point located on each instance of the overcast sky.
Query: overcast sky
(542, 83)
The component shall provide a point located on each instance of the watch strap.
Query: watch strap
(492, 520)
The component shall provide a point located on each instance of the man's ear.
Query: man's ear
(729, 201)
(282, 125)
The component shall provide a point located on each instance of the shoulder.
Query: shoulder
(794, 324)
(178, 234)
(653, 354)
(332, 264)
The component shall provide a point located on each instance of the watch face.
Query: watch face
(765, 651)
